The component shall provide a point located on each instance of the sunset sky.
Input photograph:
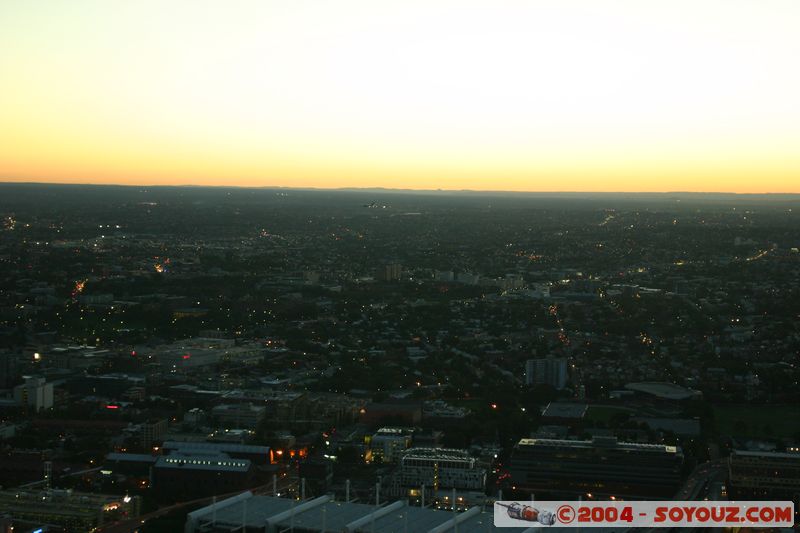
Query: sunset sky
(556, 95)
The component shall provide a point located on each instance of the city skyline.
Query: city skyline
(171, 356)
(484, 96)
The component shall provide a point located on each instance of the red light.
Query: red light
(112, 406)
(187, 356)
(133, 353)
(494, 406)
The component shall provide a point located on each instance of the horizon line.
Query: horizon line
(391, 189)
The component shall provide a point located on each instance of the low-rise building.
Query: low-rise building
(441, 468)
(387, 444)
(182, 476)
(239, 415)
(247, 512)
(601, 467)
(258, 455)
(75, 512)
(765, 476)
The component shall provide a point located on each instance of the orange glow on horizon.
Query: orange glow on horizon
(509, 95)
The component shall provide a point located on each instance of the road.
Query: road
(702, 484)
(697, 485)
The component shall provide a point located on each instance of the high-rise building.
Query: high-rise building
(546, 371)
(153, 431)
(391, 272)
(35, 393)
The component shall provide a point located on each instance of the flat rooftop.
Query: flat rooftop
(793, 456)
(599, 443)
(224, 447)
(217, 463)
(326, 514)
(663, 390)
(131, 457)
(565, 410)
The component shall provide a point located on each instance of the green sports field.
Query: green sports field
(758, 420)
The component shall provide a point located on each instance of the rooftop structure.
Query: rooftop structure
(664, 390)
(218, 462)
(565, 410)
(247, 512)
(256, 454)
(599, 442)
(441, 468)
(198, 474)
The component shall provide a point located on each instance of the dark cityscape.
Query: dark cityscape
(430, 266)
(232, 359)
